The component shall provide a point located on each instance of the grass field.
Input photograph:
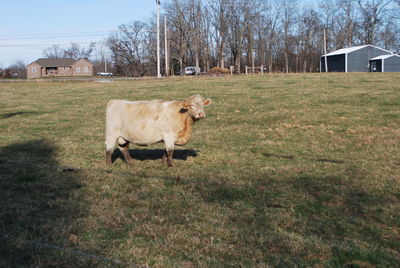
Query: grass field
(286, 170)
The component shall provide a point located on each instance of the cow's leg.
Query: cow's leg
(164, 158)
(123, 146)
(109, 151)
(127, 156)
(169, 148)
(108, 157)
(170, 154)
(167, 157)
(110, 146)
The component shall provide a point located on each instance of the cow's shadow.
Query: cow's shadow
(154, 154)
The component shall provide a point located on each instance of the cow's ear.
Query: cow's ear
(185, 106)
(207, 102)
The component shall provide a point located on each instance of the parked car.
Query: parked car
(191, 70)
(104, 74)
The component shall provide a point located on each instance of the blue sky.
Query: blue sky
(46, 22)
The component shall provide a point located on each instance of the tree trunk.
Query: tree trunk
(286, 62)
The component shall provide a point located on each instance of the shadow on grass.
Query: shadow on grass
(8, 115)
(319, 159)
(329, 217)
(154, 154)
(39, 205)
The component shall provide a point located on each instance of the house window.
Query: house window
(85, 69)
(78, 69)
(33, 69)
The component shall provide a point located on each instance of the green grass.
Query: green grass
(286, 170)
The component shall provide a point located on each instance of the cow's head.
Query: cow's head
(195, 106)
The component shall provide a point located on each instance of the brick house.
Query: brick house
(59, 67)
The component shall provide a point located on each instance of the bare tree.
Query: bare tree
(347, 24)
(55, 51)
(16, 70)
(206, 36)
(390, 37)
(288, 19)
(270, 17)
(309, 40)
(237, 22)
(219, 9)
(329, 11)
(397, 15)
(373, 12)
(181, 34)
(76, 51)
(132, 49)
(195, 23)
(133, 45)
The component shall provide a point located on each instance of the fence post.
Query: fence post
(232, 70)
(246, 71)
(262, 70)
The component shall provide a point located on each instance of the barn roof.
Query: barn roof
(60, 62)
(383, 57)
(351, 49)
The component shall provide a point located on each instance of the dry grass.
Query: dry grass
(218, 70)
(285, 170)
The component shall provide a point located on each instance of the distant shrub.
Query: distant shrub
(218, 70)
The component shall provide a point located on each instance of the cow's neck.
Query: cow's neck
(186, 133)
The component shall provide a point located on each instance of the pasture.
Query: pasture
(285, 170)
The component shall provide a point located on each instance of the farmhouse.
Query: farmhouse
(385, 63)
(353, 59)
(59, 67)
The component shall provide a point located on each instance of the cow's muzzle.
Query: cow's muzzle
(201, 115)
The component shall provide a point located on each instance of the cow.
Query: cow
(148, 122)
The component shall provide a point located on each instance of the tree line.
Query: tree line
(280, 35)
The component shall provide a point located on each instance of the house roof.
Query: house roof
(351, 49)
(60, 62)
(382, 57)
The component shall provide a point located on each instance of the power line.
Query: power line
(38, 36)
(48, 44)
(55, 36)
(67, 33)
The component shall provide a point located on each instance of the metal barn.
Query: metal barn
(385, 63)
(352, 59)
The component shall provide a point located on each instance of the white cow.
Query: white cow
(148, 122)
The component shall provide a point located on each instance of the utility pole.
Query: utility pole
(158, 39)
(326, 58)
(166, 47)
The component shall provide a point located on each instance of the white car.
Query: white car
(192, 70)
(104, 74)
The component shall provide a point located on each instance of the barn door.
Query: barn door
(375, 66)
